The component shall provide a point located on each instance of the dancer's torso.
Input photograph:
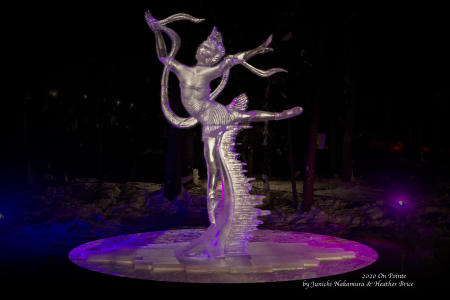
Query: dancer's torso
(195, 90)
(194, 98)
(209, 112)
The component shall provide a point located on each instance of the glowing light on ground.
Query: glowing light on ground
(274, 256)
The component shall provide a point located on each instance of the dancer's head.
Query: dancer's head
(212, 50)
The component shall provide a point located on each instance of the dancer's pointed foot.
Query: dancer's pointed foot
(264, 47)
(212, 218)
(268, 41)
(212, 204)
(289, 113)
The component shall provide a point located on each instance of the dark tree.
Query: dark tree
(292, 164)
(172, 183)
(351, 73)
(266, 156)
(180, 151)
(322, 58)
(29, 169)
(309, 172)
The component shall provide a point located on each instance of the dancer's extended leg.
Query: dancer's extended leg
(261, 116)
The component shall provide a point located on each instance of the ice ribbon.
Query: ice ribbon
(262, 73)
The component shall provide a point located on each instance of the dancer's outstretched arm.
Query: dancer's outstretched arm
(242, 57)
(231, 60)
(263, 48)
(161, 49)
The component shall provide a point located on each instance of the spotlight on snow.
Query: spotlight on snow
(401, 203)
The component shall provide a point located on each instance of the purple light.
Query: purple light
(296, 259)
(401, 201)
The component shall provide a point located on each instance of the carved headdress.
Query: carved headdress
(215, 38)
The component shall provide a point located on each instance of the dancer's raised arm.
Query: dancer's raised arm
(263, 48)
(161, 49)
(242, 57)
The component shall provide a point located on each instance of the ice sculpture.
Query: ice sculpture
(231, 210)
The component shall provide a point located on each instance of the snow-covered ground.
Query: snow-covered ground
(49, 222)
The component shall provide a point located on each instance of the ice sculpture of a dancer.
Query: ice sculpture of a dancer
(216, 119)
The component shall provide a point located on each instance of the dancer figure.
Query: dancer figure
(196, 99)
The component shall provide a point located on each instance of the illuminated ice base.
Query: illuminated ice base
(274, 256)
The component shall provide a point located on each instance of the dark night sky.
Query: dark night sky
(402, 49)
(399, 45)
(404, 46)
(47, 38)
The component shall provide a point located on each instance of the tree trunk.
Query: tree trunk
(28, 166)
(332, 148)
(172, 184)
(266, 156)
(347, 151)
(419, 130)
(351, 72)
(175, 153)
(250, 152)
(100, 140)
(308, 185)
(187, 155)
(266, 167)
(437, 108)
(99, 127)
(320, 73)
(291, 166)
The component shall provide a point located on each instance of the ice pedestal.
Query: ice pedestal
(236, 217)
(273, 256)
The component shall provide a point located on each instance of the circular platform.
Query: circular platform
(275, 256)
